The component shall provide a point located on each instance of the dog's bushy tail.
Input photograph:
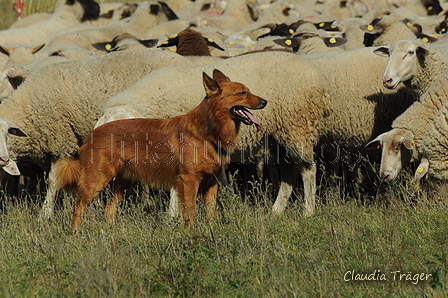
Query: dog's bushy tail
(65, 173)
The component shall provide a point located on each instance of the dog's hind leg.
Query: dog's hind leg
(209, 191)
(187, 191)
(119, 187)
(89, 187)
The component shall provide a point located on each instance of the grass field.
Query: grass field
(398, 241)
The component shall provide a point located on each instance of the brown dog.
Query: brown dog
(186, 152)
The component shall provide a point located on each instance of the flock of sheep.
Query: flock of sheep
(331, 71)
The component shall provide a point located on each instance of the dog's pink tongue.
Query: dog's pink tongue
(253, 119)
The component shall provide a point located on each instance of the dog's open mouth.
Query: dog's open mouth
(245, 116)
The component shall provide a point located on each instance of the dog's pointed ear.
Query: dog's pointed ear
(211, 86)
(219, 77)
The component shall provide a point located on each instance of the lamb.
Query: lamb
(67, 13)
(147, 15)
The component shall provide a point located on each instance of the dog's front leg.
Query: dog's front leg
(188, 185)
(209, 192)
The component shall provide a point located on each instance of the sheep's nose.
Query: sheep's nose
(387, 81)
(4, 161)
(386, 177)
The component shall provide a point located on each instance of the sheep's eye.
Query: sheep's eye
(410, 53)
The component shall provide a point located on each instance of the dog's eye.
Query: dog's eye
(242, 92)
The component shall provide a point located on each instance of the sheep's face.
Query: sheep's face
(7, 128)
(396, 151)
(405, 59)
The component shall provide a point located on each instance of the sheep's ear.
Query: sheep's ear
(5, 50)
(408, 140)
(210, 85)
(11, 168)
(421, 170)
(211, 43)
(168, 11)
(104, 46)
(107, 15)
(426, 38)
(372, 29)
(421, 51)
(327, 26)
(372, 143)
(15, 130)
(219, 77)
(293, 43)
(334, 41)
(382, 51)
(149, 43)
(100, 121)
(15, 77)
(36, 49)
(174, 41)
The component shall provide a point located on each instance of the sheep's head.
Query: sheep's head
(405, 59)
(6, 163)
(396, 148)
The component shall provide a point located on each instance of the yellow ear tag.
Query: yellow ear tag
(288, 42)
(165, 42)
(425, 39)
(249, 44)
(262, 7)
(321, 24)
(181, 22)
(332, 40)
(291, 31)
(332, 34)
(412, 143)
(436, 35)
(430, 8)
(334, 26)
(232, 43)
(420, 170)
(369, 27)
(210, 40)
(172, 50)
(409, 24)
(108, 46)
(241, 33)
(8, 164)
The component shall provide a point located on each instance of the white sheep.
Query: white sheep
(292, 118)
(357, 113)
(72, 92)
(147, 15)
(434, 160)
(418, 66)
(66, 13)
(385, 30)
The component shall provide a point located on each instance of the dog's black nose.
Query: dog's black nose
(263, 103)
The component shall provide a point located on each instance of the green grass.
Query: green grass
(244, 252)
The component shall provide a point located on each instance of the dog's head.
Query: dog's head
(233, 97)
